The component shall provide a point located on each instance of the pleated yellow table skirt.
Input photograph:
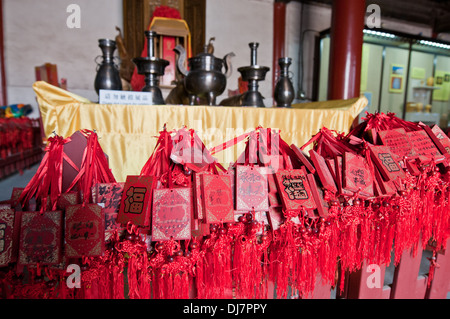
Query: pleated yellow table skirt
(128, 133)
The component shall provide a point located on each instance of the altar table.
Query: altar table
(128, 133)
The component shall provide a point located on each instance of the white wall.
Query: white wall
(236, 23)
(35, 32)
(314, 19)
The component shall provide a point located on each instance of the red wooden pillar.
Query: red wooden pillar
(279, 27)
(3, 98)
(346, 39)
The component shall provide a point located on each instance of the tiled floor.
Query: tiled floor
(16, 180)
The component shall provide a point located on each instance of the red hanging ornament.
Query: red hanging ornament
(172, 270)
(134, 251)
(328, 250)
(350, 220)
(250, 260)
(46, 184)
(94, 167)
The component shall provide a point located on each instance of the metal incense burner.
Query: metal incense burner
(207, 75)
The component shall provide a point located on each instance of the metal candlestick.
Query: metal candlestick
(152, 68)
(253, 74)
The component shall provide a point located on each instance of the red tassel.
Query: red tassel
(216, 264)
(387, 227)
(248, 263)
(172, 270)
(47, 182)
(115, 264)
(159, 162)
(135, 251)
(328, 248)
(350, 221)
(118, 291)
(283, 258)
(94, 167)
(307, 265)
(431, 192)
(366, 243)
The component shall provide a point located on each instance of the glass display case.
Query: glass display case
(401, 73)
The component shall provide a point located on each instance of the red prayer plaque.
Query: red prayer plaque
(16, 192)
(85, 231)
(16, 234)
(357, 175)
(6, 236)
(303, 158)
(274, 199)
(412, 168)
(373, 135)
(232, 173)
(322, 207)
(338, 162)
(441, 140)
(217, 198)
(41, 238)
(389, 167)
(15, 203)
(200, 229)
(251, 189)
(324, 173)
(68, 199)
(386, 187)
(108, 196)
(423, 146)
(135, 205)
(198, 204)
(171, 214)
(398, 142)
(332, 168)
(376, 188)
(294, 190)
(271, 179)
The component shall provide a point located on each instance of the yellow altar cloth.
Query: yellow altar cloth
(128, 133)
